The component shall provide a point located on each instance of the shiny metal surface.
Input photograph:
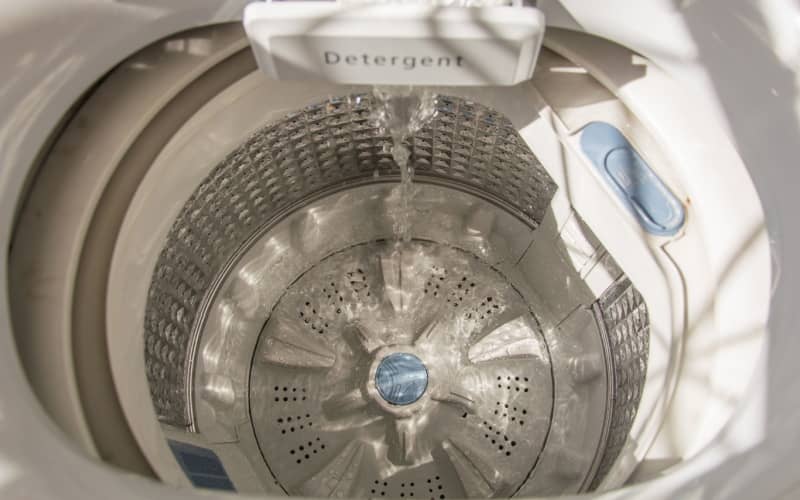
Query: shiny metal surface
(300, 260)
(281, 291)
(480, 424)
(251, 289)
(322, 147)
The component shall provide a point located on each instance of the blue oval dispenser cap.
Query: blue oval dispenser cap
(645, 195)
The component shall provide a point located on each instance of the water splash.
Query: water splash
(401, 112)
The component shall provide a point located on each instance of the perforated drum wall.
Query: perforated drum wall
(323, 147)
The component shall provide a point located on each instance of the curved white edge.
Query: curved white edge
(723, 255)
(37, 107)
(220, 126)
(201, 143)
(53, 52)
(736, 58)
(651, 273)
(52, 248)
(204, 140)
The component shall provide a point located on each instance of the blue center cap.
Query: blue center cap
(401, 378)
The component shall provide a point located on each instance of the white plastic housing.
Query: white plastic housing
(395, 44)
(744, 98)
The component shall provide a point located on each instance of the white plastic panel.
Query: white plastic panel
(758, 100)
(725, 325)
(395, 43)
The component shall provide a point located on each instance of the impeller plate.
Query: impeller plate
(479, 426)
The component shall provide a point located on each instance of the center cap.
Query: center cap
(401, 378)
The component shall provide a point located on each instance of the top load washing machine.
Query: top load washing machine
(559, 265)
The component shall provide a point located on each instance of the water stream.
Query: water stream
(401, 112)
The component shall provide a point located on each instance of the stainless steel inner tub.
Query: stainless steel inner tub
(285, 317)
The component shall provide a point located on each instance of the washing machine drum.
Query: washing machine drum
(286, 319)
